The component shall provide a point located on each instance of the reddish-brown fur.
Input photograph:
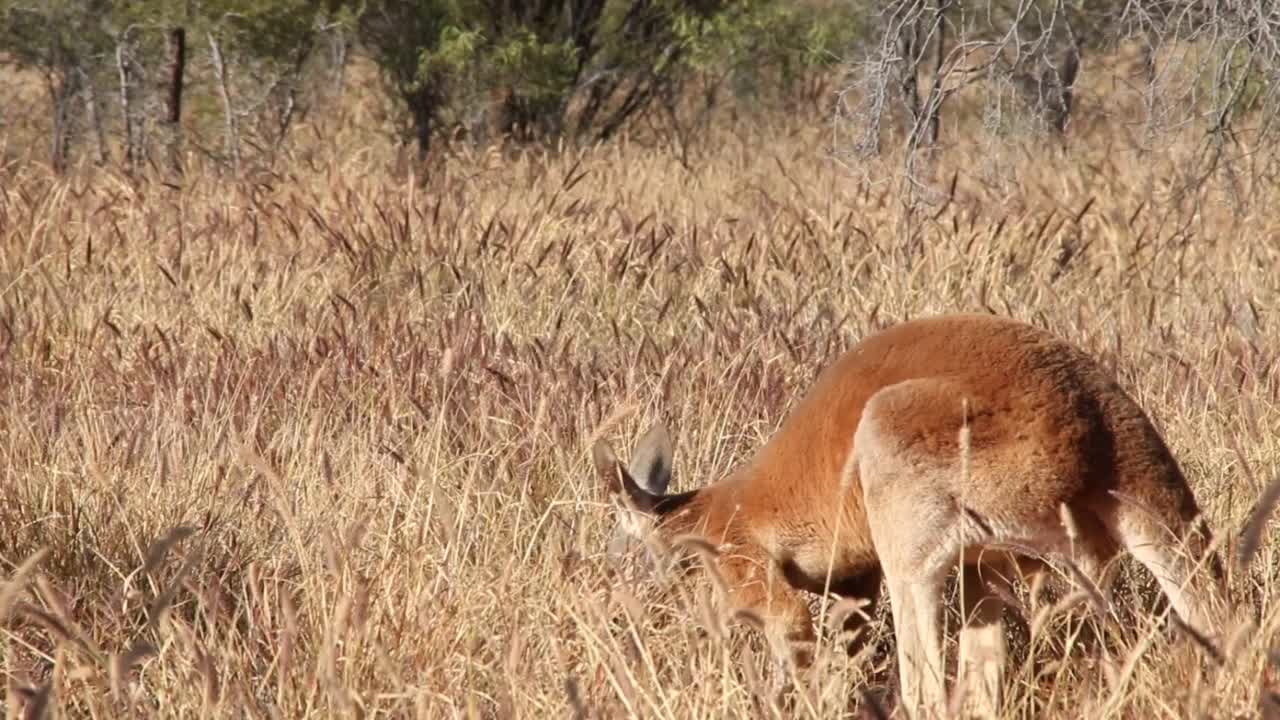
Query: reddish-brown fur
(1047, 427)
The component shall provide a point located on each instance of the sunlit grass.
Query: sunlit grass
(368, 404)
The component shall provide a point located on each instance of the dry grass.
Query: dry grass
(367, 405)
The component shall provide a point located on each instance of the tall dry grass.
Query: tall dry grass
(315, 443)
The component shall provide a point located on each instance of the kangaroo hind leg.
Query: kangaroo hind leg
(1174, 549)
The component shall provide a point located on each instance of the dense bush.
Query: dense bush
(531, 71)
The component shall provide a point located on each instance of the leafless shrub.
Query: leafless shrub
(1208, 72)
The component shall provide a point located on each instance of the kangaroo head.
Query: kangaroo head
(640, 487)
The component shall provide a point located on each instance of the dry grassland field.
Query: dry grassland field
(316, 442)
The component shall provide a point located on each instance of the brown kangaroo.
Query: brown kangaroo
(953, 440)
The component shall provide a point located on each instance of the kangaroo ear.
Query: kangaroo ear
(651, 462)
(645, 481)
(608, 466)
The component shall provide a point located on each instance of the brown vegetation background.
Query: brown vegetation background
(365, 400)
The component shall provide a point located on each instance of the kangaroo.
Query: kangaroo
(939, 442)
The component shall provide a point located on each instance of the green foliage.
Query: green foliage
(79, 33)
(542, 70)
(444, 57)
(1232, 79)
(780, 32)
(278, 30)
(457, 51)
(403, 37)
(37, 33)
(537, 68)
(758, 37)
(828, 38)
(52, 34)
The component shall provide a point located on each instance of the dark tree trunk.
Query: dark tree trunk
(423, 102)
(935, 94)
(131, 139)
(909, 85)
(173, 118)
(177, 71)
(62, 91)
(92, 117)
(1060, 107)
